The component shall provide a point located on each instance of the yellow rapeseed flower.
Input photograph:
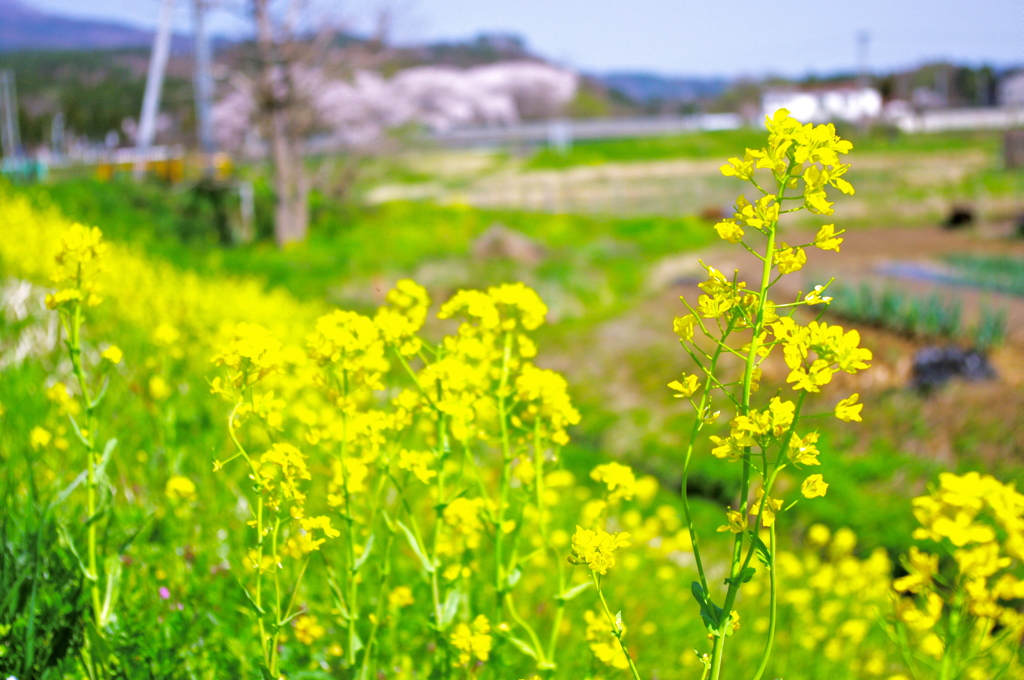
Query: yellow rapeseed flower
(39, 438)
(308, 629)
(472, 641)
(401, 596)
(848, 410)
(113, 354)
(735, 522)
(180, 489)
(813, 486)
(618, 478)
(596, 548)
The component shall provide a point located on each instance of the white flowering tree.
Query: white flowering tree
(293, 103)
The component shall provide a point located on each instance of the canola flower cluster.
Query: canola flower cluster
(956, 610)
(732, 321)
(832, 602)
(400, 421)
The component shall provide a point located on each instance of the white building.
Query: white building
(825, 105)
(1011, 90)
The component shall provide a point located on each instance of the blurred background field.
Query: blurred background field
(607, 230)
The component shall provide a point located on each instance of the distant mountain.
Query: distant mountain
(645, 88)
(25, 28)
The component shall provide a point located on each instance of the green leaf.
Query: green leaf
(112, 565)
(78, 431)
(74, 551)
(574, 591)
(101, 466)
(522, 646)
(450, 609)
(288, 619)
(427, 566)
(356, 642)
(698, 594)
(390, 523)
(103, 392)
(69, 489)
(742, 577)
(764, 555)
(339, 597)
(361, 560)
(710, 613)
(252, 603)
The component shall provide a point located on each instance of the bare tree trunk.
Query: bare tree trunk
(291, 186)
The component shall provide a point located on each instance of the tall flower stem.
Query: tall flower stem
(616, 626)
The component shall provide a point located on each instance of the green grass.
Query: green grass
(999, 273)
(347, 243)
(931, 318)
(725, 143)
(717, 144)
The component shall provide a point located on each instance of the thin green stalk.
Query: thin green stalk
(75, 353)
(264, 643)
(616, 630)
(368, 668)
(717, 654)
(277, 596)
(748, 373)
(500, 580)
(538, 465)
(772, 606)
(258, 482)
(705, 402)
(435, 585)
(522, 623)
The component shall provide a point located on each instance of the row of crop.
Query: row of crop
(998, 273)
(932, 317)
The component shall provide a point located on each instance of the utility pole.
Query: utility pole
(10, 134)
(863, 42)
(203, 83)
(57, 140)
(155, 78)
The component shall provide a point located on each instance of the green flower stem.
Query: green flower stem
(946, 671)
(501, 570)
(500, 577)
(717, 654)
(277, 595)
(705, 402)
(545, 532)
(616, 630)
(772, 606)
(748, 373)
(522, 623)
(74, 329)
(265, 644)
(368, 668)
(435, 584)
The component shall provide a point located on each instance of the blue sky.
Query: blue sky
(716, 37)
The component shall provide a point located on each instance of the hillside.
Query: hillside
(23, 27)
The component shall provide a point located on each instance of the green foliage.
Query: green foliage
(390, 239)
(931, 317)
(998, 273)
(95, 90)
(43, 608)
(718, 144)
(714, 144)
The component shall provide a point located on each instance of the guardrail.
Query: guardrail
(563, 132)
